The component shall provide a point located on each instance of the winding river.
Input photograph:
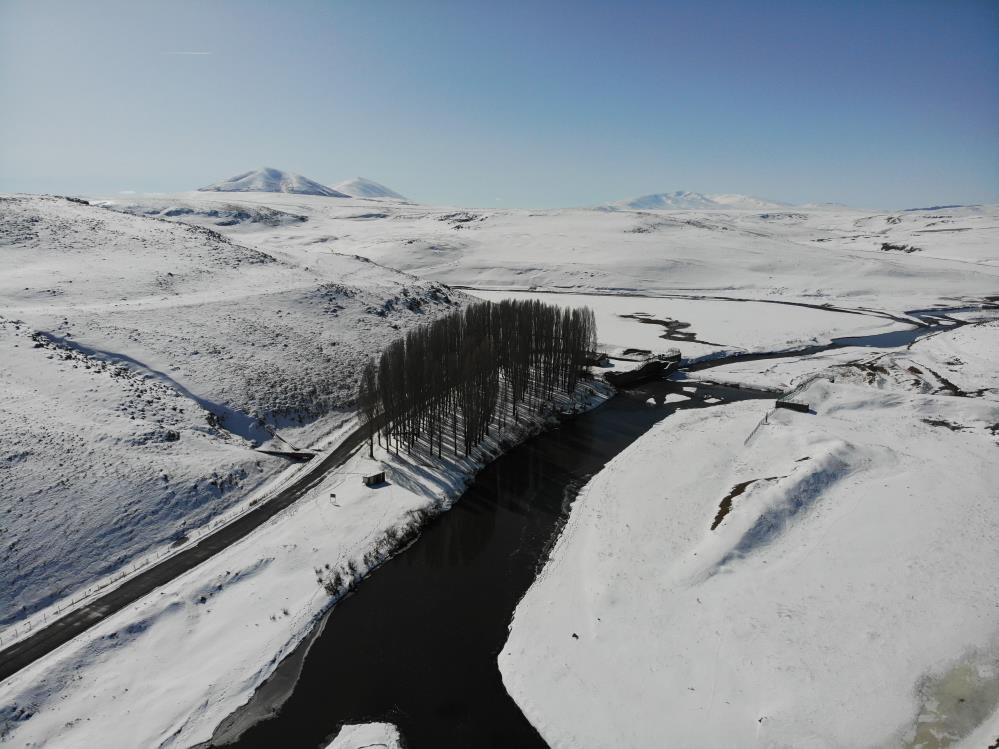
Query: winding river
(416, 643)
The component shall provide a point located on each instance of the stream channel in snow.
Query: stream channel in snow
(416, 643)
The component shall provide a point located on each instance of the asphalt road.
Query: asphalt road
(68, 626)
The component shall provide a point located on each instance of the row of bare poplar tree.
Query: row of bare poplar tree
(458, 374)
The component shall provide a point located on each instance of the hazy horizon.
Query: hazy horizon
(890, 106)
(125, 194)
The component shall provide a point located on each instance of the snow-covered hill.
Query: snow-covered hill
(898, 260)
(360, 187)
(267, 179)
(682, 200)
(210, 215)
(142, 359)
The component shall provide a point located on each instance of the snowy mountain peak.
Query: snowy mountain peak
(360, 187)
(683, 200)
(267, 179)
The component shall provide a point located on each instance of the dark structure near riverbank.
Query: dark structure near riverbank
(793, 406)
(654, 369)
(467, 370)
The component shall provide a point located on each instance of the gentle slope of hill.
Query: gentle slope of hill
(142, 361)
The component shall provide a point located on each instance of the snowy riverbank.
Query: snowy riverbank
(162, 658)
(740, 577)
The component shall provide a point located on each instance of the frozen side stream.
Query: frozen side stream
(416, 644)
(714, 326)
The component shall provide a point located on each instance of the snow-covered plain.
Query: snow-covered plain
(847, 596)
(142, 359)
(843, 256)
(257, 270)
(627, 324)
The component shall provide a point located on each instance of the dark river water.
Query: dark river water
(416, 643)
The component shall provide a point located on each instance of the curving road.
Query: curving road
(72, 623)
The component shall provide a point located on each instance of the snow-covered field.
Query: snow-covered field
(709, 327)
(844, 599)
(142, 359)
(742, 576)
(820, 254)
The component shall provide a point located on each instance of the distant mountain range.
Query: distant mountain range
(267, 179)
(681, 200)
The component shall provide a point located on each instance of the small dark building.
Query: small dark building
(793, 406)
(372, 479)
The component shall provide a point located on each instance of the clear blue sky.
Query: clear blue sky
(880, 104)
